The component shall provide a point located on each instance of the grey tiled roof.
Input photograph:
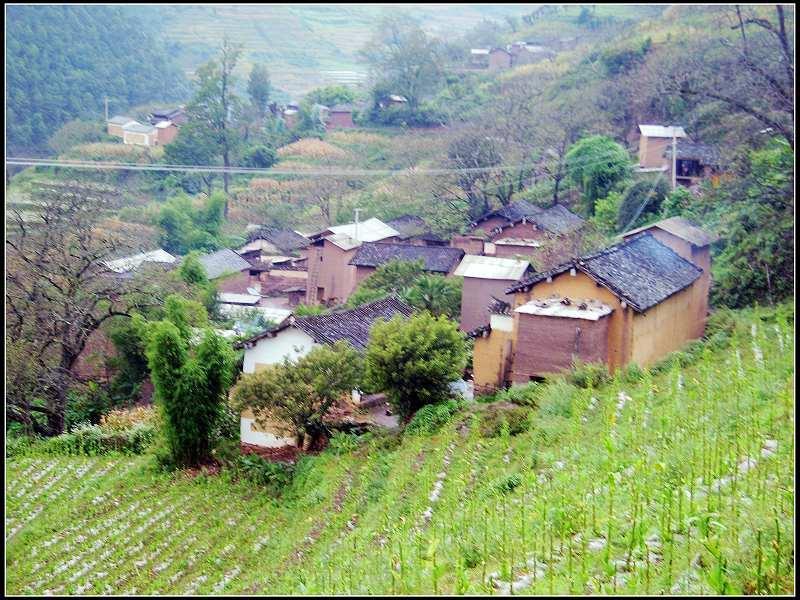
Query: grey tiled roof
(439, 259)
(682, 228)
(353, 325)
(641, 271)
(557, 219)
(222, 262)
(707, 155)
(284, 240)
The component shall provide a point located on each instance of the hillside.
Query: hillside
(304, 46)
(677, 481)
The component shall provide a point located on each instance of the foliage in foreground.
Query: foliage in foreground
(679, 482)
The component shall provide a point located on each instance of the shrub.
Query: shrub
(266, 473)
(260, 157)
(126, 418)
(429, 419)
(586, 375)
(496, 417)
(415, 360)
(522, 395)
(559, 400)
(342, 442)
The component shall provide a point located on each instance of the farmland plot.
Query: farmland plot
(676, 482)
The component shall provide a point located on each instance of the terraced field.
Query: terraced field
(679, 481)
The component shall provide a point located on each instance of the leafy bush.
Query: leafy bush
(522, 395)
(266, 473)
(126, 418)
(94, 440)
(558, 401)
(496, 417)
(414, 360)
(586, 375)
(432, 417)
(87, 406)
(342, 442)
(260, 157)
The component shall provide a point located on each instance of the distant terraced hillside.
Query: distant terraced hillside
(304, 46)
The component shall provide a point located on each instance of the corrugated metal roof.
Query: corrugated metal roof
(589, 310)
(370, 230)
(491, 267)
(131, 263)
(343, 241)
(661, 131)
(680, 227)
(479, 51)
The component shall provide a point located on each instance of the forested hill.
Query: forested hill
(62, 61)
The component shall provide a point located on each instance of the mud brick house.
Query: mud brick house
(479, 58)
(692, 243)
(653, 142)
(693, 162)
(331, 277)
(272, 241)
(297, 336)
(175, 115)
(166, 131)
(551, 235)
(232, 273)
(371, 255)
(485, 278)
(129, 264)
(340, 116)
(499, 59)
(635, 301)
(139, 134)
(115, 125)
(414, 230)
(285, 277)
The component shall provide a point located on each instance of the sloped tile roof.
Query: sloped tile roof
(641, 271)
(222, 262)
(556, 219)
(682, 228)
(707, 155)
(284, 240)
(352, 325)
(439, 259)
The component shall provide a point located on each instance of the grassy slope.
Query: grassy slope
(640, 473)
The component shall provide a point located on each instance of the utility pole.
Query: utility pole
(674, 160)
(106, 103)
(355, 231)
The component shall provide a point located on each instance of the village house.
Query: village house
(331, 277)
(479, 58)
(115, 125)
(340, 116)
(291, 116)
(128, 264)
(693, 162)
(286, 278)
(265, 242)
(297, 336)
(166, 132)
(175, 115)
(653, 142)
(523, 230)
(499, 59)
(414, 230)
(635, 301)
(233, 274)
(139, 134)
(485, 277)
(371, 255)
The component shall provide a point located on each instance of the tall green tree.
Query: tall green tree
(596, 164)
(259, 88)
(404, 58)
(190, 388)
(216, 108)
